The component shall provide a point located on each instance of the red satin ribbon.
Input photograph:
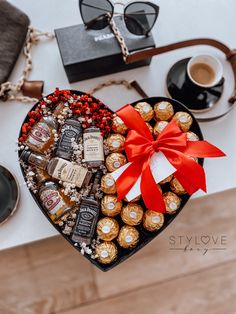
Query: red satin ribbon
(172, 142)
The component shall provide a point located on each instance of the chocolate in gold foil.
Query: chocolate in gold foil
(128, 237)
(107, 229)
(108, 184)
(145, 110)
(115, 143)
(114, 161)
(167, 180)
(110, 205)
(132, 214)
(159, 127)
(118, 125)
(163, 111)
(177, 187)
(184, 120)
(192, 136)
(106, 252)
(172, 202)
(152, 220)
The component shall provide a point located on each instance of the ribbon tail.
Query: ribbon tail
(150, 192)
(127, 179)
(190, 174)
(203, 149)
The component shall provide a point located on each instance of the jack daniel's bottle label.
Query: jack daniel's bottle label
(86, 221)
(71, 130)
(88, 215)
(93, 146)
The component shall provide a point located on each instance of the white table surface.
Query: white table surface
(178, 20)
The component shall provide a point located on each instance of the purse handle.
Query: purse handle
(151, 52)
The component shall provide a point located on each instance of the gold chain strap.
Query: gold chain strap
(109, 83)
(128, 84)
(120, 39)
(10, 91)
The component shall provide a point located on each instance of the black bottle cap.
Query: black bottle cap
(25, 155)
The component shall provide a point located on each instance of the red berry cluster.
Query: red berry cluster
(92, 110)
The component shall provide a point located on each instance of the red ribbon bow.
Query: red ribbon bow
(172, 142)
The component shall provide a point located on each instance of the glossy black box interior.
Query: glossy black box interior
(90, 53)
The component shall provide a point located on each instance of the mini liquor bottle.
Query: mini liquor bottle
(88, 214)
(93, 147)
(54, 201)
(41, 136)
(59, 168)
(71, 130)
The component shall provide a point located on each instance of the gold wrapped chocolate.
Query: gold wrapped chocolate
(150, 127)
(108, 184)
(106, 252)
(159, 127)
(128, 237)
(145, 110)
(136, 199)
(110, 206)
(115, 143)
(177, 187)
(192, 136)
(107, 229)
(167, 180)
(163, 111)
(172, 202)
(114, 161)
(184, 120)
(118, 125)
(132, 214)
(152, 220)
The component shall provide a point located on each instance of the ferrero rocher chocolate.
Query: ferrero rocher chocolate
(177, 187)
(159, 127)
(184, 120)
(192, 136)
(107, 229)
(108, 184)
(110, 206)
(152, 220)
(163, 111)
(145, 110)
(136, 199)
(106, 252)
(115, 143)
(128, 237)
(150, 127)
(118, 125)
(167, 180)
(132, 214)
(114, 161)
(172, 202)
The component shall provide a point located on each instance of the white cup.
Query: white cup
(212, 62)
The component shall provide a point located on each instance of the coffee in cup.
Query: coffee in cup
(205, 71)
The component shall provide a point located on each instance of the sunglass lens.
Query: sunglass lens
(96, 13)
(140, 17)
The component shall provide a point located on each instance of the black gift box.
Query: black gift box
(90, 53)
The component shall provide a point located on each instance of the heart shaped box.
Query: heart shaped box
(145, 236)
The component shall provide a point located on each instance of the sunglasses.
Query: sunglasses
(139, 16)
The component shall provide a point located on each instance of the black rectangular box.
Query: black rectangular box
(90, 53)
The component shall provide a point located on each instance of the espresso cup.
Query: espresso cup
(205, 71)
